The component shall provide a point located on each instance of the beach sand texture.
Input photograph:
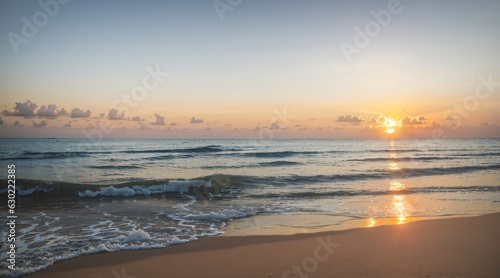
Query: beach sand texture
(456, 247)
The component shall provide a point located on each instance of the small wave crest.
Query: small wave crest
(173, 186)
(204, 149)
(29, 155)
(279, 163)
(51, 189)
(118, 167)
(277, 154)
(424, 158)
(47, 155)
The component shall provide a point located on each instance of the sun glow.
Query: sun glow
(390, 125)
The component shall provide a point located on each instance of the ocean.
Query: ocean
(76, 196)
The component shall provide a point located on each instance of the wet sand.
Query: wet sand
(456, 247)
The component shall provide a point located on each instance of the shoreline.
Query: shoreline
(463, 247)
(310, 223)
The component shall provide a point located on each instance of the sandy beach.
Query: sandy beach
(456, 247)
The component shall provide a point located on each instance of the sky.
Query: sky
(250, 69)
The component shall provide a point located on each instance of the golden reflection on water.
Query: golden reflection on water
(398, 209)
(396, 186)
(371, 222)
(393, 166)
(399, 204)
(398, 201)
(398, 198)
(397, 213)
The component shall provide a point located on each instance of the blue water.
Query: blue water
(76, 196)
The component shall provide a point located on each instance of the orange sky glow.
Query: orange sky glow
(280, 70)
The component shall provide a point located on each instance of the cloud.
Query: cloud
(349, 119)
(114, 115)
(143, 127)
(410, 121)
(160, 120)
(1, 121)
(173, 124)
(67, 125)
(79, 113)
(137, 119)
(196, 121)
(16, 123)
(449, 118)
(48, 111)
(62, 112)
(40, 124)
(422, 118)
(274, 126)
(26, 109)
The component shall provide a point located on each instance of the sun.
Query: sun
(390, 125)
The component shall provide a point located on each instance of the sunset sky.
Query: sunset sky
(250, 69)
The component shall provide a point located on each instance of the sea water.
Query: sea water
(76, 196)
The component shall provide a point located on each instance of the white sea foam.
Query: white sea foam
(136, 235)
(27, 191)
(137, 239)
(173, 186)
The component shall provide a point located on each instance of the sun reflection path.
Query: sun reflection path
(394, 166)
(400, 208)
(396, 186)
(398, 201)
(371, 222)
